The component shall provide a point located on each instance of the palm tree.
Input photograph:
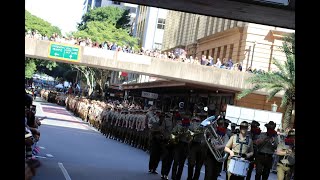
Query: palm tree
(275, 82)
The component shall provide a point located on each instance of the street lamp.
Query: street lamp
(274, 107)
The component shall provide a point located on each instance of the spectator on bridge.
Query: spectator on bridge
(218, 63)
(210, 61)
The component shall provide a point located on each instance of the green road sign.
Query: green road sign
(64, 52)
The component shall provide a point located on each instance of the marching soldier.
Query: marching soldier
(181, 149)
(266, 146)
(286, 153)
(197, 152)
(155, 145)
(129, 121)
(239, 145)
(212, 166)
(111, 115)
(254, 133)
(167, 146)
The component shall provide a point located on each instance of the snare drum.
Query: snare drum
(238, 167)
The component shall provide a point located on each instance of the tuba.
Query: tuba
(212, 139)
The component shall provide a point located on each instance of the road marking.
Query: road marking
(49, 155)
(42, 147)
(40, 157)
(64, 171)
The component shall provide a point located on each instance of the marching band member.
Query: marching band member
(286, 153)
(239, 145)
(212, 166)
(266, 147)
(255, 131)
(167, 146)
(196, 149)
(180, 149)
(155, 149)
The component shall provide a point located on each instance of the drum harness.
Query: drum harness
(241, 143)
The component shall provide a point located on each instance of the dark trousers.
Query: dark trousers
(195, 160)
(251, 166)
(155, 152)
(167, 159)
(179, 157)
(263, 166)
(212, 167)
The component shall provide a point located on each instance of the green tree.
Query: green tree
(104, 31)
(30, 68)
(88, 74)
(112, 15)
(275, 82)
(33, 22)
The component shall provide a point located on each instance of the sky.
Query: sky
(64, 14)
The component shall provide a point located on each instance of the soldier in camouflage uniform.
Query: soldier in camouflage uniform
(144, 130)
(111, 116)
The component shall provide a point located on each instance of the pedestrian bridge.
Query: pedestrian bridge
(139, 64)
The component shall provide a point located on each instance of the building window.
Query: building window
(116, 2)
(161, 23)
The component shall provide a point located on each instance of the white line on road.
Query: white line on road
(49, 155)
(64, 171)
(42, 147)
(40, 157)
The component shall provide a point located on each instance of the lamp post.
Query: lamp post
(274, 107)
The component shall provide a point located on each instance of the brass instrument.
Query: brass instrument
(213, 139)
(191, 134)
(174, 139)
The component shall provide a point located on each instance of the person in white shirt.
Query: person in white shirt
(218, 64)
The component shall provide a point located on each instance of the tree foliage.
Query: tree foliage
(104, 31)
(275, 82)
(33, 22)
(30, 68)
(112, 15)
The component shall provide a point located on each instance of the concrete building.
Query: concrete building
(247, 43)
(150, 25)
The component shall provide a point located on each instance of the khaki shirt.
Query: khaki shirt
(287, 159)
(235, 146)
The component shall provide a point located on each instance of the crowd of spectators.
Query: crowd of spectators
(32, 136)
(173, 55)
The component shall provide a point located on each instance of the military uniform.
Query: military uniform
(254, 134)
(212, 166)
(180, 150)
(240, 146)
(197, 150)
(167, 147)
(266, 147)
(286, 162)
(155, 144)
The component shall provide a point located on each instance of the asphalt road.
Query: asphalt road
(70, 149)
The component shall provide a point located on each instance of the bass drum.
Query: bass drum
(238, 167)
